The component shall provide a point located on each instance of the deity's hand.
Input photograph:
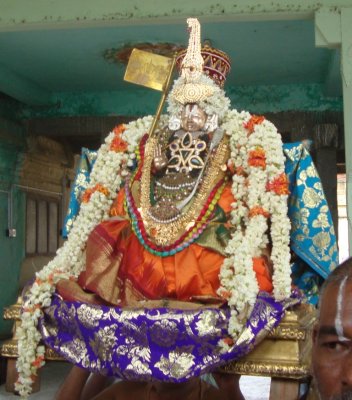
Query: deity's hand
(160, 159)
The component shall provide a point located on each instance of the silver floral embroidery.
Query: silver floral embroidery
(89, 315)
(177, 365)
(207, 324)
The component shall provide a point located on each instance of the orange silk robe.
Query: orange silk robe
(119, 270)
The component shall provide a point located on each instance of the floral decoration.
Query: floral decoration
(257, 210)
(260, 190)
(97, 188)
(118, 144)
(110, 168)
(252, 122)
(279, 184)
(257, 157)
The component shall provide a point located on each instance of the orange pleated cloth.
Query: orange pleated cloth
(119, 270)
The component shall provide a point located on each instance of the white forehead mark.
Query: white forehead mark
(188, 110)
(191, 110)
(339, 304)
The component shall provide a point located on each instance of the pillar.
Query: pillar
(325, 144)
(333, 30)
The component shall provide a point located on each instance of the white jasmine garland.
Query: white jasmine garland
(217, 103)
(238, 280)
(249, 236)
(69, 260)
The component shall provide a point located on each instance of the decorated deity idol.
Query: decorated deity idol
(182, 234)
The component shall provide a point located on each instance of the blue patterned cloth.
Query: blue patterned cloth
(313, 238)
(80, 184)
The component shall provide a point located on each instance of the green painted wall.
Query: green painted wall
(11, 249)
(276, 98)
(258, 99)
(12, 254)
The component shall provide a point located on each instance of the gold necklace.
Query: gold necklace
(164, 234)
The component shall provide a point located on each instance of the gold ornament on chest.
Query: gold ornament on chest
(186, 154)
(180, 170)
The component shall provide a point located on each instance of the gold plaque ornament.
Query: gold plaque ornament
(152, 71)
(148, 69)
(192, 93)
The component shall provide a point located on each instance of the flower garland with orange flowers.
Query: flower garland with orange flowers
(259, 186)
(110, 168)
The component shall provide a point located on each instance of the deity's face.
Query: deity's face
(193, 118)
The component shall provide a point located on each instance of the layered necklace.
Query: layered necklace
(164, 224)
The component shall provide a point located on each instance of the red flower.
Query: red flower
(38, 281)
(253, 121)
(119, 129)
(257, 158)
(226, 294)
(31, 309)
(278, 185)
(229, 341)
(118, 144)
(240, 171)
(257, 210)
(51, 278)
(38, 362)
(97, 188)
(231, 167)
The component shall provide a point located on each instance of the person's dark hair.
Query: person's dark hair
(338, 275)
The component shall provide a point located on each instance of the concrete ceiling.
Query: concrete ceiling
(272, 52)
(71, 60)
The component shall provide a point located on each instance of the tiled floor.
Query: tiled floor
(53, 373)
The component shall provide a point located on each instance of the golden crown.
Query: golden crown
(216, 63)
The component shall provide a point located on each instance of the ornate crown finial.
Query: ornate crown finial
(192, 90)
(192, 64)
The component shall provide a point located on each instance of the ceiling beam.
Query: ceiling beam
(42, 14)
(22, 89)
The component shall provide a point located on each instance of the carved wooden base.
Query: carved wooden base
(284, 389)
(13, 312)
(12, 375)
(285, 353)
(9, 350)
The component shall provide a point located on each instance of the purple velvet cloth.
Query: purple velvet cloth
(152, 344)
